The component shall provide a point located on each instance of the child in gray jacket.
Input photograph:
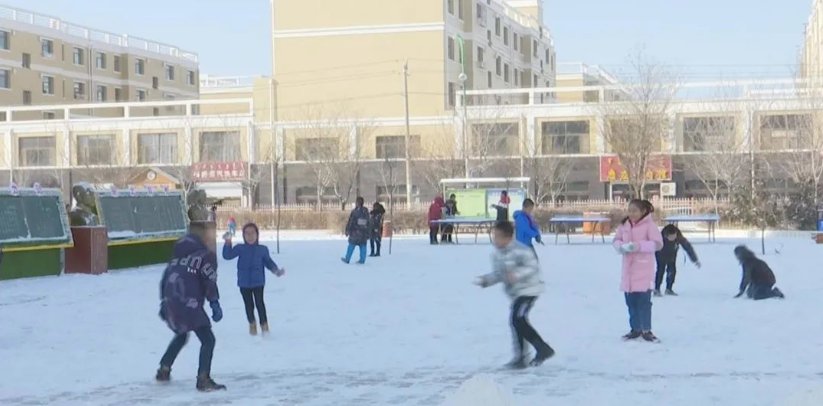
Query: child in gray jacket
(517, 268)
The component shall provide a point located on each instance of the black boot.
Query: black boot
(670, 292)
(631, 335)
(206, 384)
(541, 356)
(163, 374)
(518, 362)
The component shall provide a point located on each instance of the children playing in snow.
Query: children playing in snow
(667, 258)
(253, 260)
(450, 211)
(637, 239)
(232, 226)
(435, 213)
(757, 276)
(502, 206)
(526, 229)
(376, 228)
(517, 268)
(190, 279)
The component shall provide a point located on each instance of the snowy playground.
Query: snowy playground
(409, 328)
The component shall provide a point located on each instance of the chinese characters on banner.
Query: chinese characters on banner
(219, 171)
(659, 168)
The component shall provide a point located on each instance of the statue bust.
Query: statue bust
(196, 201)
(85, 211)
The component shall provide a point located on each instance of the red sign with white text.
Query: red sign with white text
(219, 171)
(658, 168)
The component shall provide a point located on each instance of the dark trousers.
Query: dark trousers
(374, 243)
(448, 230)
(640, 310)
(670, 269)
(433, 230)
(207, 341)
(760, 292)
(522, 330)
(254, 297)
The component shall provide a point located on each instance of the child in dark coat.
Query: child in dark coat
(673, 239)
(357, 229)
(757, 276)
(253, 260)
(376, 228)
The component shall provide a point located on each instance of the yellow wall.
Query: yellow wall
(313, 14)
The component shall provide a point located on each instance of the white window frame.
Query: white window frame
(43, 40)
(117, 63)
(140, 62)
(191, 78)
(144, 92)
(169, 68)
(74, 90)
(97, 60)
(8, 77)
(8, 40)
(97, 93)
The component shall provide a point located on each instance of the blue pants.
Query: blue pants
(640, 310)
(350, 251)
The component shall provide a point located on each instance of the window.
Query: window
(118, 94)
(516, 41)
(169, 72)
(784, 131)
(48, 84)
(450, 6)
(5, 40)
(489, 79)
(312, 149)
(141, 95)
(534, 48)
(489, 36)
(452, 94)
(481, 15)
(535, 81)
(79, 56)
(49, 115)
(36, 151)
(707, 133)
(506, 73)
(548, 56)
(27, 61)
(46, 48)
(516, 77)
(155, 83)
(140, 66)
(451, 48)
(100, 94)
(565, 137)
(460, 9)
(157, 148)
(27, 97)
(95, 149)
(5, 78)
(498, 139)
(190, 78)
(79, 91)
(394, 146)
(498, 66)
(220, 146)
(100, 60)
(116, 62)
(497, 26)
(480, 56)
(506, 36)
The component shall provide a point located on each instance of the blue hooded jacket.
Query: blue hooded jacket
(253, 261)
(190, 279)
(525, 228)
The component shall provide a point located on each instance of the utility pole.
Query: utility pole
(463, 78)
(408, 135)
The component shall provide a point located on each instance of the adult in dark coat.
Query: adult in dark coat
(190, 279)
(376, 228)
(357, 229)
(451, 211)
(757, 276)
(673, 239)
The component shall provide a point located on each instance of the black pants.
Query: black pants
(670, 269)
(374, 243)
(207, 341)
(448, 230)
(522, 330)
(254, 297)
(433, 230)
(760, 292)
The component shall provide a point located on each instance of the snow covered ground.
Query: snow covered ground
(409, 329)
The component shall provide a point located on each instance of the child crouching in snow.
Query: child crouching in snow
(251, 275)
(516, 267)
(637, 239)
(667, 258)
(757, 276)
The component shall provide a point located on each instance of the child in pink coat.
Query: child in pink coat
(637, 239)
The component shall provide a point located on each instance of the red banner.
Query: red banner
(658, 168)
(219, 171)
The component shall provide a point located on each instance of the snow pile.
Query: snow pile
(481, 390)
(809, 397)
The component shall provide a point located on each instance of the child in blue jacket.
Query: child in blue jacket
(253, 260)
(526, 229)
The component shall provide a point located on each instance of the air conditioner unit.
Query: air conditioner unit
(668, 189)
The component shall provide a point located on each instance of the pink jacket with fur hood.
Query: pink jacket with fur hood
(639, 266)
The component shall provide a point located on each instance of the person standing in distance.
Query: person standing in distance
(357, 229)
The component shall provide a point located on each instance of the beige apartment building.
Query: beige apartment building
(47, 61)
(811, 58)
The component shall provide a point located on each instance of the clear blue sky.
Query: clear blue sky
(699, 37)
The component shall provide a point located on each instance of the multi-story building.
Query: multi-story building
(582, 76)
(811, 58)
(47, 61)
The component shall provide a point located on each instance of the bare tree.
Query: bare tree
(439, 159)
(548, 173)
(494, 140)
(635, 129)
